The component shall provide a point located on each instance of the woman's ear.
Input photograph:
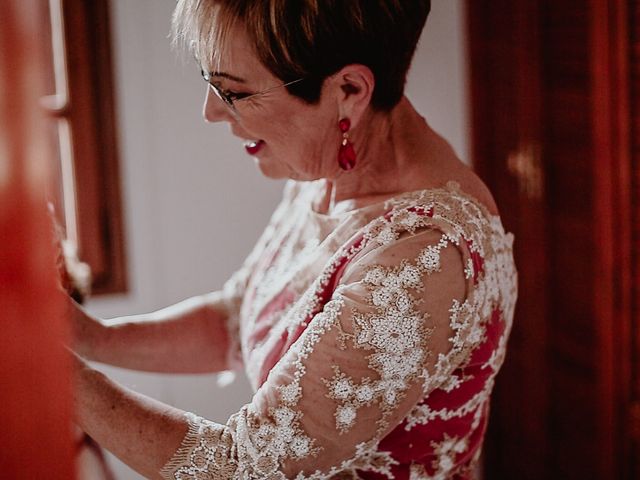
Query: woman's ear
(354, 87)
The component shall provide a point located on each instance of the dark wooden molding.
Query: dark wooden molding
(90, 112)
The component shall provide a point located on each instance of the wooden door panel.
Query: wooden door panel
(505, 113)
(565, 401)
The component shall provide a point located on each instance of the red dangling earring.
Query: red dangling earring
(346, 154)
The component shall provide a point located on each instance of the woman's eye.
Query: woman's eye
(235, 95)
(232, 95)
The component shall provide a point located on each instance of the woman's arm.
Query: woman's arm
(188, 337)
(140, 431)
(355, 372)
(395, 329)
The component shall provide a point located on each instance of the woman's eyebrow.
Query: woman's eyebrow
(229, 76)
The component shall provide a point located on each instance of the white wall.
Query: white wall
(189, 222)
(437, 83)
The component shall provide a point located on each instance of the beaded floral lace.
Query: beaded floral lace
(372, 341)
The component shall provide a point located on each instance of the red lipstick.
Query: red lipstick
(253, 148)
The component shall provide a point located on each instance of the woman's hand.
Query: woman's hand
(189, 337)
(74, 276)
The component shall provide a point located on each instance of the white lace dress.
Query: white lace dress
(371, 339)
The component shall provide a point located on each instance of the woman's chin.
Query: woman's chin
(269, 170)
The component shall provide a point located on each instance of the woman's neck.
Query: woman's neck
(397, 152)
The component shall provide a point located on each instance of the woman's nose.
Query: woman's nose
(214, 110)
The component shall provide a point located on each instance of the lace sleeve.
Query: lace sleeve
(394, 329)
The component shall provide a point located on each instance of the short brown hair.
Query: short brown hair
(313, 39)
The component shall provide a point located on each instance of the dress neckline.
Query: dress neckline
(451, 186)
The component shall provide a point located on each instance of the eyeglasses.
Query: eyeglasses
(230, 98)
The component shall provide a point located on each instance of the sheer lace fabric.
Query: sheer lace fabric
(371, 338)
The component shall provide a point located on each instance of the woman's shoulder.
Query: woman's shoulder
(449, 209)
(446, 208)
(453, 197)
(462, 181)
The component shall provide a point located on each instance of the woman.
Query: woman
(372, 316)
